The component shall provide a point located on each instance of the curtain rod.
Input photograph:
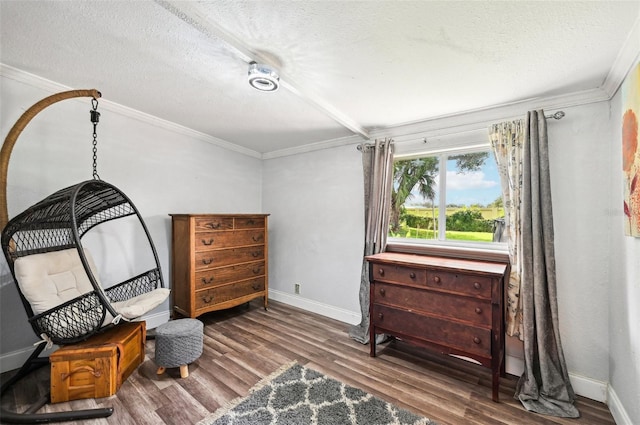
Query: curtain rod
(556, 116)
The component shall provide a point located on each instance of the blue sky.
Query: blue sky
(480, 187)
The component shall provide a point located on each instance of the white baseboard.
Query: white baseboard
(589, 388)
(316, 307)
(617, 409)
(16, 359)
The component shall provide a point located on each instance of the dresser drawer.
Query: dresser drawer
(473, 310)
(224, 257)
(229, 239)
(398, 274)
(205, 224)
(470, 339)
(213, 296)
(223, 275)
(466, 284)
(249, 222)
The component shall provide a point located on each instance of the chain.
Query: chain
(95, 117)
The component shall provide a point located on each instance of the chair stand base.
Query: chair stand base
(184, 371)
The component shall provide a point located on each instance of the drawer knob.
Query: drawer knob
(207, 281)
(257, 270)
(213, 225)
(477, 285)
(382, 291)
(207, 261)
(381, 272)
(207, 299)
(478, 310)
(209, 242)
(437, 279)
(255, 286)
(255, 254)
(380, 316)
(256, 238)
(412, 275)
(476, 340)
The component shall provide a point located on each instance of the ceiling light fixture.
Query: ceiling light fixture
(263, 77)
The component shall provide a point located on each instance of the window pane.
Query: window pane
(446, 198)
(414, 201)
(473, 197)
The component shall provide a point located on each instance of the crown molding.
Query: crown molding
(53, 87)
(627, 57)
(327, 144)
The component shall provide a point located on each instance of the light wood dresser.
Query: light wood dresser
(218, 261)
(452, 306)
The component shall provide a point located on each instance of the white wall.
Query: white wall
(580, 164)
(623, 282)
(162, 171)
(316, 230)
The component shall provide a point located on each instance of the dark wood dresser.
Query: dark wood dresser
(218, 261)
(453, 306)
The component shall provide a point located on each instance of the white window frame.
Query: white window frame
(466, 143)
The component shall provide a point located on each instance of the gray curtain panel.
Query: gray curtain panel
(377, 164)
(544, 386)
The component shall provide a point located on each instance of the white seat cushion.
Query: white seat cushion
(53, 278)
(141, 304)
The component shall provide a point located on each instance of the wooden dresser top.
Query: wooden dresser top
(488, 267)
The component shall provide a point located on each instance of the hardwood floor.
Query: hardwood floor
(245, 344)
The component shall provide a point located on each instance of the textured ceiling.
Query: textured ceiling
(347, 67)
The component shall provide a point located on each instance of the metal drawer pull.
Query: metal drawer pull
(207, 242)
(207, 299)
(476, 285)
(381, 272)
(207, 261)
(213, 225)
(436, 279)
(382, 291)
(380, 316)
(476, 340)
(250, 221)
(478, 310)
(258, 270)
(255, 254)
(256, 238)
(207, 281)
(255, 286)
(412, 275)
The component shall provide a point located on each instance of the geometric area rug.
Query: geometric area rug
(297, 395)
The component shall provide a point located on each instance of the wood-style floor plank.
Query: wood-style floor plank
(243, 345)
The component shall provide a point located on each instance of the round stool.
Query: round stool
(178, 343)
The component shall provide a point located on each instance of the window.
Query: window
(449, 197)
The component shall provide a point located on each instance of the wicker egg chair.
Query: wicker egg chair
(43, 244)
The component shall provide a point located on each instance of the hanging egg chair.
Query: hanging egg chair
(56, 275)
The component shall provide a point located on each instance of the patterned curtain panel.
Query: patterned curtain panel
(507, 140)
(523, 156)
(377, 163)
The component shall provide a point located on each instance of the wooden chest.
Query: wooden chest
(98, 366)
(453, 306)
(218, 261)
